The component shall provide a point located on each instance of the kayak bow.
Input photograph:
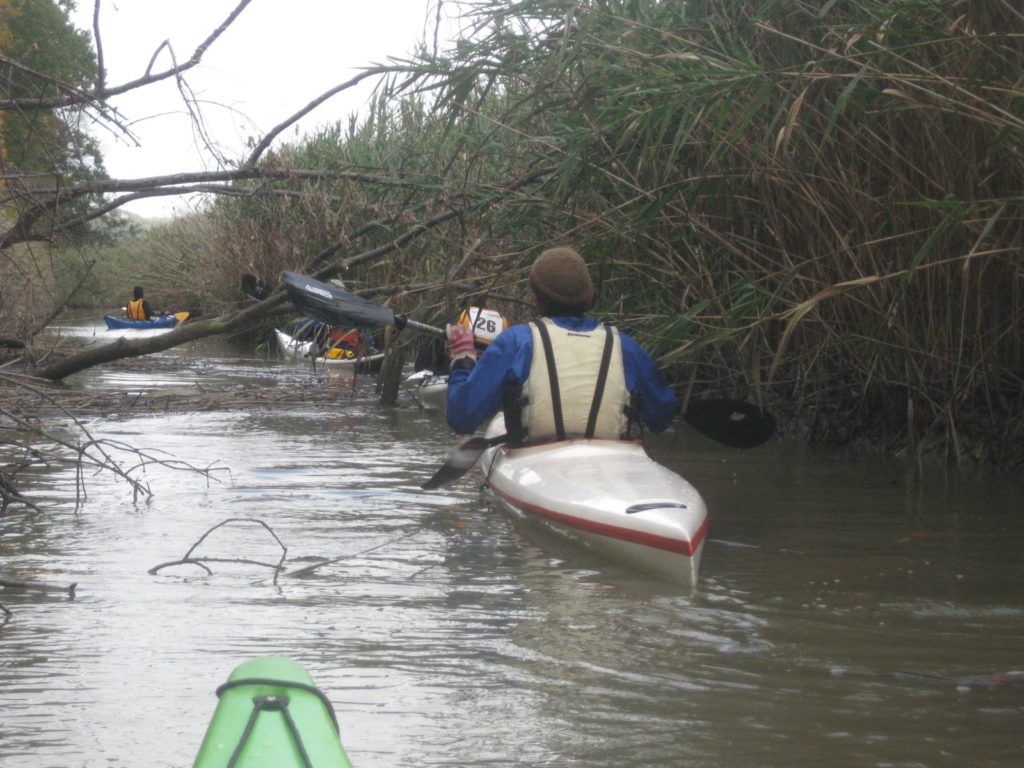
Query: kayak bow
(270, 715)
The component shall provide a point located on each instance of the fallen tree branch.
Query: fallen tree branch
(124, 347)
(74, 96)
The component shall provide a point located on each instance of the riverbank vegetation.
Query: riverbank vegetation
(816, 207)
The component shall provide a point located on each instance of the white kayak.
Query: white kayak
(429, 389)
(293, 349)
(607, 494)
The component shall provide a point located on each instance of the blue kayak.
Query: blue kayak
(165, 321)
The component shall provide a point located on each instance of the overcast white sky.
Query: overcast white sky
(278, 56)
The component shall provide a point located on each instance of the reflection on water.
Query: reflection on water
(844, 617)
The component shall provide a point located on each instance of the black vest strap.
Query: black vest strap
(602, 378)
(512, 402)
(556, 396)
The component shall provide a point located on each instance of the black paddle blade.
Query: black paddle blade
(255, 288)
(333, 305)
(461, 460)
(735, 423)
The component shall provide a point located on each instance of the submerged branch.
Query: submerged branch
(314, 566)
(33, 586)
(94, 453)
(188, 559)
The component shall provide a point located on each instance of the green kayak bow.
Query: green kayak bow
(270, 715)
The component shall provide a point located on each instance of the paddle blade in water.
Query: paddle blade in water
(460, 461)
(333, 305)
(735, 423)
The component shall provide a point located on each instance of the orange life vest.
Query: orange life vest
(135, 310)
(340, 337)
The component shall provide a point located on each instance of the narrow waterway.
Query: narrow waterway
(845, 616)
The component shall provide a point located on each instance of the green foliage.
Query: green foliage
(52, 57)
(44, 147)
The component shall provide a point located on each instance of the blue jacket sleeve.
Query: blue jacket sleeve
(474, 396)
(658, 403)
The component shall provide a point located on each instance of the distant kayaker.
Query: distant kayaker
(138, 308)
(589, 379)
(484, 322)
(342, 342)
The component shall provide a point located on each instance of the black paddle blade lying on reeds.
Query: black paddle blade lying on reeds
(254, 288)
(735, 423)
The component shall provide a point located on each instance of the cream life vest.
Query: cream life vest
(576, 386)
(485, 324)
(135, 310)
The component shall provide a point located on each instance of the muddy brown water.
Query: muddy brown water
(845, 615)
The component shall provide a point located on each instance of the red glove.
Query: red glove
(460, 342)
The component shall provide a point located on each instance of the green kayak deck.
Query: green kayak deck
(270, 715)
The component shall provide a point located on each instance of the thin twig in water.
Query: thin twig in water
(200, 561)
(313, 567)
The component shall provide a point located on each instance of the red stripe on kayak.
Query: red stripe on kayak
(613, 531)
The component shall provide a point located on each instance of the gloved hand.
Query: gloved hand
(460, 342)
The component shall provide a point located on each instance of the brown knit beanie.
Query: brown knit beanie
(560, 275)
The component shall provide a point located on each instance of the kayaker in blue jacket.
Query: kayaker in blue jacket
(588, 380)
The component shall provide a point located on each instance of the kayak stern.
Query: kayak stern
(608, 495)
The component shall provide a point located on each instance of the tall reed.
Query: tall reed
(817, 206)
